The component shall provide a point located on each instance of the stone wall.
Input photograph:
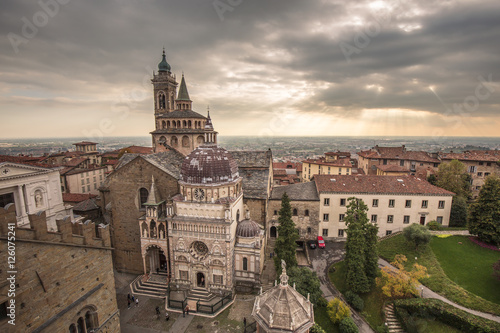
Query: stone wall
(124, 185)
(60, 277)
(257, 208)
(302, 222)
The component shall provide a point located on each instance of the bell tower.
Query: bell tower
(165, 88)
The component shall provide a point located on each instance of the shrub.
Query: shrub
(433, 225)
(417, 234)
(347, 325)
(322, 302)
(354, 300)
(382, 329)
(337, 310)
(443, 312)
(316, 329)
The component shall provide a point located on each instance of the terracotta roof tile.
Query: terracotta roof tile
(376, 184)
(473, 155)
(392, 168)
(77, 197)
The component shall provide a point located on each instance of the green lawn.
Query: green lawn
(437, 281)
(374, 300)
(434, 326)
(468, 265)
(321, 318)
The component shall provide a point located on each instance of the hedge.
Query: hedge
(443, 312)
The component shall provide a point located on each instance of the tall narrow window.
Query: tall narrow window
(295, 212)
(143, 197)
(245, 264)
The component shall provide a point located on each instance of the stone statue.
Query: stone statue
(38, 199)
(283, 265)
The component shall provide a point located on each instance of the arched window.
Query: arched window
(174, 124)
(295, 212)
(163, 124)
(306, 212)
(88, 321)
(152, 229)
(143, 197)
(174, 141)
(245, 264)
(80, 325)
(189, 123)
(168, 123)
(309, 230)
(184, 124)
(185, 141)
(72, 328)
(162, 139)
(178, 124)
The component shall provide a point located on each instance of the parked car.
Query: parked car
(312, 244)
(321, 242)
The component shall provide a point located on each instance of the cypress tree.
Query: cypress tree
(287, 236)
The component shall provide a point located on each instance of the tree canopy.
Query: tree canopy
(453, 176)
(286, 245)
(361, 247)
(417, 234)
(306, 282)
(484, 214)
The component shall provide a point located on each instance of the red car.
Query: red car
(321, 242)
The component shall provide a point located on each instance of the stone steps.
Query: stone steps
(391, 320)
(148, 288)
(201, 295)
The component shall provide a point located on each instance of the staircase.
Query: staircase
(155, 286)
(391, 320)
(197, 294)
(268, 275)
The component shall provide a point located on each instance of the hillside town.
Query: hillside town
(197, 232)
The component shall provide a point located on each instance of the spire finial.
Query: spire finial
(208, 111)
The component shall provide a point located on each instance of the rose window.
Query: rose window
(198, 250)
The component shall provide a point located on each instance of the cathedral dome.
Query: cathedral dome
(247, 228)
(209, 164)
(163, 66)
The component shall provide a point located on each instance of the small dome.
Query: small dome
(247, 228)
(209, 164)
(163, 66)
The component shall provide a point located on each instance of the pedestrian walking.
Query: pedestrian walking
(167, 317)
(128, 296)
(187, 310)
(137, 301)
(157, 312)
(133, 299)
(128, 303)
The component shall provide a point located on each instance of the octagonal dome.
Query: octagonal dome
(247, 228)
(209, 164)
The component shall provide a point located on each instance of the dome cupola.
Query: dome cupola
(163, 66)
(210, 165)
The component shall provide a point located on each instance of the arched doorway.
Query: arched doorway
(273, 232)
(155, 260)
(200, 280)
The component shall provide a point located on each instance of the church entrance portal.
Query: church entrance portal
(155, 260)
(200, 280)
(273, 232)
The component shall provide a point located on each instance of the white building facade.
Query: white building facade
(394, 202)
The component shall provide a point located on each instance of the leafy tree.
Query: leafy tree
(432, 179)
(347, 325)
(354, 300)
(316, 329)
(306, 282)
(458, 213)
(337, 310)
(286, 245)
(361, 247)
(417, 234)
(484, 215)
(453, 176)
(397, 282)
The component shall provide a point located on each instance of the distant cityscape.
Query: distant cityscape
(292, 149)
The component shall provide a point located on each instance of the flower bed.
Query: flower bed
(483, 244)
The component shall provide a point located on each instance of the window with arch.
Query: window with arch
(178, 123)
(72, 328)
(152, 229)
(174, 141)
(143, 197)
(80, 325)
(309, 230)
(184, 124)
(306, 212)
(168, 123)
(162, 139)
(163, 124)
(295, 212)
(174, 124)
(189, 123)
(185, 141)
(161, 100)
(245, 264)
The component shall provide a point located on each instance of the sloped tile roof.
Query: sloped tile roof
(392, 168)
(169, 161)
(85, 206)
(377, 184)
(252, 158)
(77, 197)
(473, 155)
(299, 192)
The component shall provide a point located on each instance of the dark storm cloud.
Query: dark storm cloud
(97, 50)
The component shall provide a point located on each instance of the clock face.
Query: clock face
(199, 194)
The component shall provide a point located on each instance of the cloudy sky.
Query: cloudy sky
(288, 67)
